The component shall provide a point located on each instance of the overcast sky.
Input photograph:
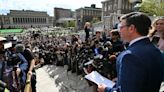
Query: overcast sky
(45, 5)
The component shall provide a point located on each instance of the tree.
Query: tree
(94, 20)
(65, 24)
(69, 24)
(152, 7)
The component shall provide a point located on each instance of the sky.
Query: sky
(45, 5)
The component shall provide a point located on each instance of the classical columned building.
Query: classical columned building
(26, 19)
(4, 20)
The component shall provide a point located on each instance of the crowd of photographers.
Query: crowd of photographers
(17, 62)
(21, 55)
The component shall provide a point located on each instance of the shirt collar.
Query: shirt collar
(137, 39)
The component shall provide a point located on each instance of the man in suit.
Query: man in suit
(138, 67)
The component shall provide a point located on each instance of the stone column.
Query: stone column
(102, 14)
(119, 6)
(46, 20)
(11, 20)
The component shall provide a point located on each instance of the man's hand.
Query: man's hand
(18, 71)
(29, 73)
(101, 88)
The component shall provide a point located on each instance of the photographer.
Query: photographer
(31, 63)
(117, 44)
(2, 59)
(14, 74)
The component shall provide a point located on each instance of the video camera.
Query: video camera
(13, 60)
(3, 85)
(6, 44)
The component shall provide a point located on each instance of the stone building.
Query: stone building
(25, 19)
(87, 14)
(112, 9)
(61, 15)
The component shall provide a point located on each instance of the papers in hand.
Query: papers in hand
(97, 78)
(89, 62)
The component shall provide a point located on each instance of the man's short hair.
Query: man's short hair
(141, 22)
(20, 48)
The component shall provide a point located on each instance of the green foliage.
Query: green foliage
(69, 24)
(152, 7)
(94, 20)
(65, 24)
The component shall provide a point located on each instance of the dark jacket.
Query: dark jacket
(138, 68)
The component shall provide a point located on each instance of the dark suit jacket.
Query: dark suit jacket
(138, 68)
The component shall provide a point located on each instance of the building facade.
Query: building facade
(87, 14)
(61, 15)
(112, 9)
(25, 19)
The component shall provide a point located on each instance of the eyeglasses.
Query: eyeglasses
(121, 26)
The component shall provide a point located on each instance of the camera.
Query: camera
(4, 44)
(7, 45)
(13, 60)
(3, 85)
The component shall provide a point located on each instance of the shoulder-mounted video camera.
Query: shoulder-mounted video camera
(13, 60)
(4, 44)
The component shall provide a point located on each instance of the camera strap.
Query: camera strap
(2, 64)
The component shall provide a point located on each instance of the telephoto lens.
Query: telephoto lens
(3, 84)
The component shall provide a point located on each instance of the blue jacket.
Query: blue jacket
(23, 66)
(138, 68)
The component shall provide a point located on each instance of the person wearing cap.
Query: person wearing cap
(116, 41)
(14, 70)
(2, 59)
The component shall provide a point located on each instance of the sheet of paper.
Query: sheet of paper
(89, 62)
(97, 78)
